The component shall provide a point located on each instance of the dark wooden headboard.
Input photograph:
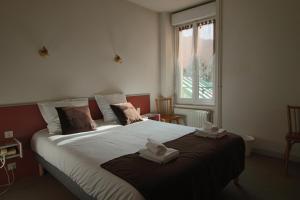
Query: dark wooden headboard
(25, 120)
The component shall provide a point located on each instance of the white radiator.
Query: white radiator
(194, 118)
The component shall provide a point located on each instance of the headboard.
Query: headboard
(25, 120)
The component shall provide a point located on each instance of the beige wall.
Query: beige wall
(261, 68)
(80, 36)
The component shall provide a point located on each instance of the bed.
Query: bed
(82, 161)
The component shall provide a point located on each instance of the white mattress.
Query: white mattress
(80, 155)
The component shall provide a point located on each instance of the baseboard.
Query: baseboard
(274, 154)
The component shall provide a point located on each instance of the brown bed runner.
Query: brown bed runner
(203, 168)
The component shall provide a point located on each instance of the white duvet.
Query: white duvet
(80, 155)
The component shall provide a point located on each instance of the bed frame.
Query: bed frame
(26, 119)
(62, 178)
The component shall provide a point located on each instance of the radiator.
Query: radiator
(194, 118)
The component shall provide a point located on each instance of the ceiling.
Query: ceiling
(167, 5)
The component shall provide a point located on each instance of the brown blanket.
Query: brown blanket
(203, 168)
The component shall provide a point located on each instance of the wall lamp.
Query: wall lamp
(118, 59)
(44, 52)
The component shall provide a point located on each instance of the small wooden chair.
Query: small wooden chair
(164, 106)
(293, 136)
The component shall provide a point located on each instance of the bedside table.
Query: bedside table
(11, 148)
(152, 116)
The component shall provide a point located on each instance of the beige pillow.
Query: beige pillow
(126, 113)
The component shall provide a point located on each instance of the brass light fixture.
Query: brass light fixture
(118, 59)
(44, 52)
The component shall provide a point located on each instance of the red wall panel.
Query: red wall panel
(142, 102)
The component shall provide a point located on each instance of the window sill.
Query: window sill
(195, 107)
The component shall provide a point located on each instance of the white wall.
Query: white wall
(260, 68)
(79, 35)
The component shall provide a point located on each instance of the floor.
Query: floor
(263, 179)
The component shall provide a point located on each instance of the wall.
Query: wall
(81, 37)
(260, 69)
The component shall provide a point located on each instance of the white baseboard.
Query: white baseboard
(274, 154)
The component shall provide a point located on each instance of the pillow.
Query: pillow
(75, 119)
(50, 115)
(104, 102)
(126, 113)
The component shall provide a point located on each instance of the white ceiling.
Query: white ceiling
(167, 5)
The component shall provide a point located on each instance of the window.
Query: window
(195, 80)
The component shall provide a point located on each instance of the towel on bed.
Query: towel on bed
(211, 133)
(156, 147)
(169, 155)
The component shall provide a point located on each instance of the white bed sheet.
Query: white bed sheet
(80, 155)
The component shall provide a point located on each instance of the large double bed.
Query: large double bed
(104, 164)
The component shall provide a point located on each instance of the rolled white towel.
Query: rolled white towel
(207, 125)
(167, 157)
(156, 147)
(211, 134)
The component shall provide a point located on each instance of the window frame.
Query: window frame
(195, 100)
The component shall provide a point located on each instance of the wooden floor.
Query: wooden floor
(263, 179)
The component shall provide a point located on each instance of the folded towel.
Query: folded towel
(167, 157)
(156, 147)
(211, 133)
(207, 125)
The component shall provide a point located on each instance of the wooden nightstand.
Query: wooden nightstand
(152, 116)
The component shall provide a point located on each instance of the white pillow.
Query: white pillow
(104, 102)
(50, 115)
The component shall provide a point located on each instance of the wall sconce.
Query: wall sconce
(44, 52)
(118, 59)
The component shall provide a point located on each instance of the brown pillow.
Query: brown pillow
(126, 113)
(75, 119)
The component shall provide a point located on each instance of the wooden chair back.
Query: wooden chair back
(294, 119)
(293, 136)
(164, 105)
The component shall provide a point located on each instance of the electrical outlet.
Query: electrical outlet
(11, 166)
(8, 134)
